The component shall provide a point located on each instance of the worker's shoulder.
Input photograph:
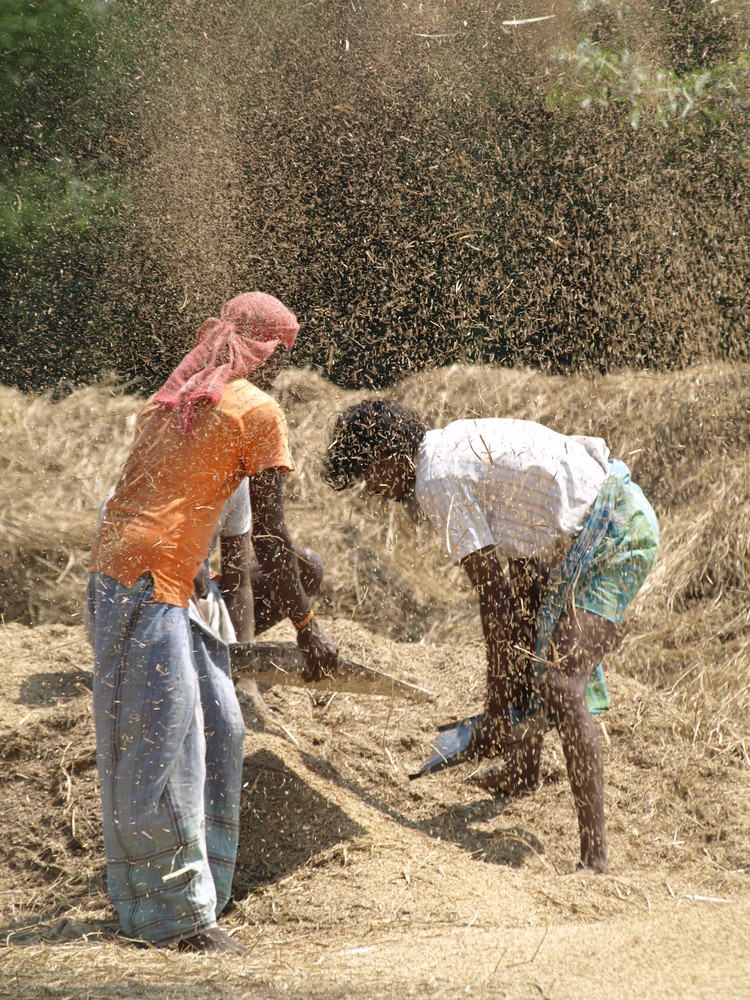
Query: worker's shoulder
(241, 399)
(470, 426)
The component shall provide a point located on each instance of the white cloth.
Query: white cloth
(236, 516)
(209, 613)
(514, 484)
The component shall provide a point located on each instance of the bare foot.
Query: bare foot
(266, 712)
(602, 868)
(214, 941)
(499, 779)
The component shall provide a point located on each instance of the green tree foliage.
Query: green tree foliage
(48, 49)
(422, 183)
(58, 202)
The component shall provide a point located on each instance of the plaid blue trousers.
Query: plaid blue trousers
(170, 739)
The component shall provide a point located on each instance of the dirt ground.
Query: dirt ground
(354, 880)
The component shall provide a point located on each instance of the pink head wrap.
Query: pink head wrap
(251, 327)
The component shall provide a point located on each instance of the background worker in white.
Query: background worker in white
(579, 539)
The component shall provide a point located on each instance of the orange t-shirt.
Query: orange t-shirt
(172, 487)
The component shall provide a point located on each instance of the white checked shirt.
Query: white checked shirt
(514, 484)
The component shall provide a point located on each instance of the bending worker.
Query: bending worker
(579, 538)
(169, 731)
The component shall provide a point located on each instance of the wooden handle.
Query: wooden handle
(282, 663)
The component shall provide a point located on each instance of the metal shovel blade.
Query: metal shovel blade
(451, 746)
(453, 743)
(282, 663)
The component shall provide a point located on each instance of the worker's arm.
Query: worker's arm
(236, 587)
(500, 628)
(527, 580)
(275, 554)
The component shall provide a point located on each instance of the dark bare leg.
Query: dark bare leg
(517, 773)
(580, 642)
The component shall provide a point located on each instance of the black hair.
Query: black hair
(362, 431)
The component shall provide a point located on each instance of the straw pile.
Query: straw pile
(57, 461)
(685, 435)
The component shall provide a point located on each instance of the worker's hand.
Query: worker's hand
(320, 652)
(201, 578)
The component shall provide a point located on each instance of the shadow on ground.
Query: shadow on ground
(283, 823)
(43, 690)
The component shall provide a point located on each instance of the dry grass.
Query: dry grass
(350, 878)
(686, 436)
(57, 461)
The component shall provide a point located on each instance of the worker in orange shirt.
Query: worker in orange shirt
(170, 845)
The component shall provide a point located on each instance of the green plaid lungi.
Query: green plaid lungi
(603, 569)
